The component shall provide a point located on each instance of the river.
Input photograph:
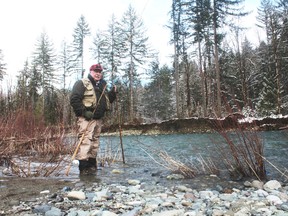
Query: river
(142, 162)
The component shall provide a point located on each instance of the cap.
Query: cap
(96, 67)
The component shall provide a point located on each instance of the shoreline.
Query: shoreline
(136, 197)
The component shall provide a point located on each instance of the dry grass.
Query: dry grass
(189, 170)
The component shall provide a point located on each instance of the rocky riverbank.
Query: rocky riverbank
(135, 197)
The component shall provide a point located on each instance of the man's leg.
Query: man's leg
(85, 128)
(95, 143)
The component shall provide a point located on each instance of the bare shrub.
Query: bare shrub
(241, 150)
(26, 139)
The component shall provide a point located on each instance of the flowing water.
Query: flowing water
(141, 151)
(142, 162)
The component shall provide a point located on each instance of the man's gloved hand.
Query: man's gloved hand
(88, 115)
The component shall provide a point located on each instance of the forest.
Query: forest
(211, 76)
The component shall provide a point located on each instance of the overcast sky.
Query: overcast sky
(23, 21)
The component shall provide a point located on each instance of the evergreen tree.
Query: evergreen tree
(282, 10)
(80, 32)
(157, 98)
(22, 90)
(221, 10)
(176, 19)
(249, 73)
(2, 66)
(270, 19)
(45, 60)
(133, 31)
(197, 15)
(66, 65)
(44, 65)
(34, 85)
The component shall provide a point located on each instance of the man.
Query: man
(90, 100)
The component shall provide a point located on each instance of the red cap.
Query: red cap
(96, 67)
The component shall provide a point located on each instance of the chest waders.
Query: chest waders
(83, 135)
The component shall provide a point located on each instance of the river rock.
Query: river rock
(175, 177)
(257, 184)
(53, 212)
(98, 199)
(272, 185)
(133, 182)
(76, 195)
(170, 213)
(274, 200)
(117, 171)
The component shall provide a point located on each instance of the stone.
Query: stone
(257, 184)
(133, 182)
(76, 195)
(272, 185)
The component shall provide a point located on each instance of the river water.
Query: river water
(141, 160)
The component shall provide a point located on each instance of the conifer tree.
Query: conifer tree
(66, 66)
(221, 10)
(44, 67)
(136, 44)
(22, 90)
(80, 32)
(269, 18)
(158, 94)
(176, 19)
(2, 66)
(197, 16)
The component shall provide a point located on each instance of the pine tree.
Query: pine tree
(136, 44)
(66, 64)
(2, 66)
(197, 15)
(80, 32)
(44, 66)
(221, 10)
(176, 19)
(67, 67)
(158, 94)
(22, 90)
(270, 19)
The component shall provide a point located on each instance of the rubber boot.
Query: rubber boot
(84, 166)
(93, 164)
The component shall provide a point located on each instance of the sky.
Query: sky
(22, 23)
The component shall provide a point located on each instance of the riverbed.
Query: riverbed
(140, 162)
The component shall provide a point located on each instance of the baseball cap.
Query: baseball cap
(96, 67)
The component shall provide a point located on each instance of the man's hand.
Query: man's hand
(88, 115)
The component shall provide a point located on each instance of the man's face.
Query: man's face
(97, 75)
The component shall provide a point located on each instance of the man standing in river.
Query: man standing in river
(90, 100)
